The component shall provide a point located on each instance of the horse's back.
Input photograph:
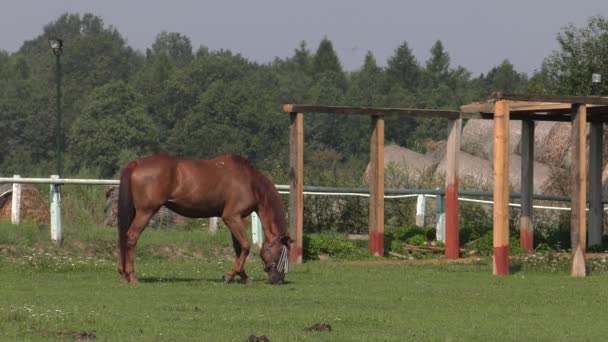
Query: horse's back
(194, 187)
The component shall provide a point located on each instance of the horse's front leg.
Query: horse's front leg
(241, 248)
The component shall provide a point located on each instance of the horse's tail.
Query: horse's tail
(126, 208)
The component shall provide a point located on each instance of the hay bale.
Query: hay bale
(404, 162)
(548, 180)
(474, 171)
(478, 137)
(553, 149)
(33, 207)
(164, 218)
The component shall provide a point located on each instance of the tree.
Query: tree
(113, 124)
(326, 65)
(175, 46)
(505, 78)
(582, 52)
(403, 68)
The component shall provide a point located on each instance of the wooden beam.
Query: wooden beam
(589, 100)
(578, 171)
(501, 188)
(372, 111)
(596, 208)
(296, 185)
(376, 187)
(452, 242)
(526, 225)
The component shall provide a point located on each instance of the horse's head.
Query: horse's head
(275, 255)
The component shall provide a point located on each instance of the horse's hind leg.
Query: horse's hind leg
(241, 247)
(137, 226)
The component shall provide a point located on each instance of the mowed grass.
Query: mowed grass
(65, 293)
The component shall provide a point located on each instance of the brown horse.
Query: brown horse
(227, 186)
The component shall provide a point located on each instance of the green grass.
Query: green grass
(51, 293)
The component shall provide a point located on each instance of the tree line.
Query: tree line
(119, 103)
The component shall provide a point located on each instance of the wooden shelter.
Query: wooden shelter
(578, 110)
(376, 174)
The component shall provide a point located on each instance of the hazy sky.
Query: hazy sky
(478, 34)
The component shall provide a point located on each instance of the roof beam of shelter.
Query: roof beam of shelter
(297, 108)
(596, 100)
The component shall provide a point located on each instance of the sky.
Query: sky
(478, 34)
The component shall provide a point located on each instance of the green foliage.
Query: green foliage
(113, 121)
(582, 52)
(333, 245)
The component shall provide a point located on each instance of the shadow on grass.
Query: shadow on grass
(514, 268)
(168, 280)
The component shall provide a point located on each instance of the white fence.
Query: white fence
(257, 231)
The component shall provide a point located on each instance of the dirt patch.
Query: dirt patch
(79, 336)
(411, 262)
(319, 327)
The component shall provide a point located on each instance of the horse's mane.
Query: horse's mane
(267, 195)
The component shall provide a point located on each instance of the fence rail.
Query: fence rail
(389, 193)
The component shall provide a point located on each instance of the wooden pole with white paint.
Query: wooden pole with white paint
(56, 229)
(16, 202)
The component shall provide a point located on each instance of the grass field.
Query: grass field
(73, 292)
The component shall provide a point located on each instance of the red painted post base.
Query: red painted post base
(376, 244)
(501, 260)
(452, 239)
(295, 254)
(526, 237)
(578, 264)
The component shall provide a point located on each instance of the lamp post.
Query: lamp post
(596, 79)
(56, 229)
(57, 46)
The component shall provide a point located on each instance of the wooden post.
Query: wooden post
(257, 233)
(213, 225)
(452, 242)
(16, 202)
(501, 188)
(596, 207)
(526, 235)
(440, 217)
(420, 209)
(296, 185)
(376, 187)
(578, 174)
(56, 229)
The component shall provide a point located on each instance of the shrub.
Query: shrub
(333, 245)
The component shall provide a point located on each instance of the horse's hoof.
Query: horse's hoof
(133, 280)
(247, 281)
(227, 278)
(124, 280)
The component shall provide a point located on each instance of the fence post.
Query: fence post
(420, 206)
(440, 217)
(56, 231)
(257, 233)
(213, 225)
(16, 202)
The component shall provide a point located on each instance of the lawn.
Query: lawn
(73, 292)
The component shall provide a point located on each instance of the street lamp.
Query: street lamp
(56, 230)
(596, 79)
(56, 45)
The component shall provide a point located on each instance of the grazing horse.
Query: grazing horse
(227, 186)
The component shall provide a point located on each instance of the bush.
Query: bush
(333, 245)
